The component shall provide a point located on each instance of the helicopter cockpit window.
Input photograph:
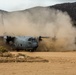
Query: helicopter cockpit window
(21, 44)
(33, 39)
(30, 39)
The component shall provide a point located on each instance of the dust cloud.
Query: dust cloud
(41, 21)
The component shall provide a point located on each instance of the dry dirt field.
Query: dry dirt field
(60, 63)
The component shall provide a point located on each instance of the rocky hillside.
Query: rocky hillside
(68, 7)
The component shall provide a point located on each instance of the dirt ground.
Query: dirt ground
(60, 63)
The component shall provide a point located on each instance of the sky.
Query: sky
(14, 5)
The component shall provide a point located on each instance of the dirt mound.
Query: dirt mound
(8, 57)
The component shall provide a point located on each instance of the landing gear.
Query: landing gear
(17, 50)
(31, 50)
(34, 49)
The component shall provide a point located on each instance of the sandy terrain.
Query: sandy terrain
(60, 63)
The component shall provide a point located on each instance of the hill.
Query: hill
(70, 8)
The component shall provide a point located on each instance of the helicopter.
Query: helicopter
(21, 42)
(28, 43)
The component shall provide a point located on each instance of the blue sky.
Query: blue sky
(13, 5)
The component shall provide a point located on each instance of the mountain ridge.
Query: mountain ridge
(70, 8)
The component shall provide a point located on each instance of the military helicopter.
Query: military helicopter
(23, 42)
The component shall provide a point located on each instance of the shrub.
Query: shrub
(3, 49)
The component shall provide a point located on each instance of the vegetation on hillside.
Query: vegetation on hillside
(70, 8)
